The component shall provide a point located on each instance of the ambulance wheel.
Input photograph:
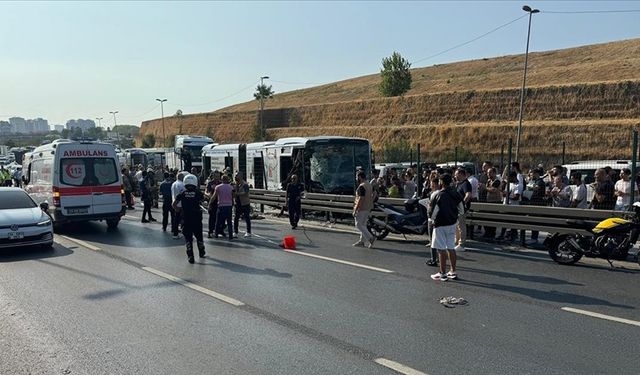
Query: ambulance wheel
(113, 223)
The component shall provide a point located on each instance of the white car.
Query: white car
(22, 222)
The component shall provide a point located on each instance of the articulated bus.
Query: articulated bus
(134, 157)
(324, 164)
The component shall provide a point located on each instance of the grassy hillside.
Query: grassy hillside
(609, 62)
(587, 97)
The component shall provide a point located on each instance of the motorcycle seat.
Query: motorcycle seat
(581, 224)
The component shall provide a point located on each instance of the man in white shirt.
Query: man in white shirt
(579, 196)
(176, 188)
(623, 190)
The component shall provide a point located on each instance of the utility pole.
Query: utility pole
(527, 9)
(114, 126)
(164, 136)
(262, 131)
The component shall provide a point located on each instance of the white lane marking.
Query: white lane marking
(264, 238)
(81, 243)
(340, 261)
(602, 316)
(398, 367)
(209, 292)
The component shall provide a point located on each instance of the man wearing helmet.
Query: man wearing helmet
(192, 215)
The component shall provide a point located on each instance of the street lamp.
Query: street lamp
(99, 121)
(262, 132)
(114, 127)
(527, 9)
(164, 136)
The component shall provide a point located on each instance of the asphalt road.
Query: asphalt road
(127, 301)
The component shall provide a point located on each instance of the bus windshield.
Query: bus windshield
(195, 151)
(332, 165)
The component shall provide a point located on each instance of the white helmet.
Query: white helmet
(190, 180)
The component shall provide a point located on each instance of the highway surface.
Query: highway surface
(127, 302)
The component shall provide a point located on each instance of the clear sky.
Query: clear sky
(67, 60)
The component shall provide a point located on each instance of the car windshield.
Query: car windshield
(10, 200)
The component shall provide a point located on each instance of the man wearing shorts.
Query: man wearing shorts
(444, 209)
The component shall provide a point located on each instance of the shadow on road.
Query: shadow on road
(526, 278)
(32, 253)
(110, 293)
(549, 296)
(235, 267)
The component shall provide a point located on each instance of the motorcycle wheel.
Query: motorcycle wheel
(562, 252)
(380, 233)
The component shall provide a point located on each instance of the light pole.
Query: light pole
(527, 9)
(99, 121)
(114, 127)
(164, 136)
(262, 132)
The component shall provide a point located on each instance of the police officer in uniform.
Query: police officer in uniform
(192, 214)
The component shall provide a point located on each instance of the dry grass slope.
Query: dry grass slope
(588, 97)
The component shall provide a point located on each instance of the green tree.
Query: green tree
(396, 152)
(395, 74)
(263, 92)
(148, 141)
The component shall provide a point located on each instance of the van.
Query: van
(80, 180)
(587, 169)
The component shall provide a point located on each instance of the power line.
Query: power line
(296, 83)
(217, 100)
(143, 114)
(591, 11)
(470, 41)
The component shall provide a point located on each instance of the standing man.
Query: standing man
(128, 188)
(579, 195)
(145, 195)
(212, 207)
(5, 176)
(362, 209)
(464, 188)
(444, 209)
(167, 209)
(224, 194)
(176, 188)
(603, 198)
(243, 205)
(538, 196)
(190, 200)
(293, 199)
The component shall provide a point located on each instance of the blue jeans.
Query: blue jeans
(224, 216)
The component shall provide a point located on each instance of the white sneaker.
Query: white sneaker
(247, 235)
(370, 246)
(359, 243)
(439, 277)
(459, 248)
(235, 235)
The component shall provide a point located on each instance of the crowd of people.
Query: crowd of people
(183, 202)
(452, 190)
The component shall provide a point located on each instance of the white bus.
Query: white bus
(324, 164)
(247, 159)
(80, 180)
(134, 157)
(187, 149)
(156, 157)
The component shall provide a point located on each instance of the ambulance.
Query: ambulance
(79, 180)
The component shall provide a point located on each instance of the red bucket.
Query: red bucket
(289, 242)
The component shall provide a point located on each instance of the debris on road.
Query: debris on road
(451, 302)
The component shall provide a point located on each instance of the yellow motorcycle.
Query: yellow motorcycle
(610, 239)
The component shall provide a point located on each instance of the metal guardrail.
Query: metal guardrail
(524, 217)
(331, 203)
(540, 218)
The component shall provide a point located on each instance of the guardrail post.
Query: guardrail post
(261, 208)
(634, 159)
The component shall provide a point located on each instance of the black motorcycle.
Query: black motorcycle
(610, 239)
(411, 220)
